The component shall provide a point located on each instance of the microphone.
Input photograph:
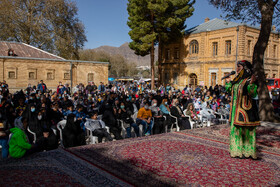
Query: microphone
(227, 76)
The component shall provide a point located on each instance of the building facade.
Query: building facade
(21, 64)
(209, 51)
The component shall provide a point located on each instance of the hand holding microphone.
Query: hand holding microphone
(228, 75)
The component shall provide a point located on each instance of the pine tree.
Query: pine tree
(154, 22)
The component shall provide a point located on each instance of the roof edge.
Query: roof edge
(43, 51)
(55, 60)
(238, 24)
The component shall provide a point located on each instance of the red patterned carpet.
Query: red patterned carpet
(268, 137)
(195, 157)
(54, 168)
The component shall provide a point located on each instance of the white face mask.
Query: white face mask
(39, 117)
(154, 104)
(75, 119)
(146, 107)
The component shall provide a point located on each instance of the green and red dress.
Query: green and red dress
(244, 119)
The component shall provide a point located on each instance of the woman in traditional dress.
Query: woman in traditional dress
(244, 112)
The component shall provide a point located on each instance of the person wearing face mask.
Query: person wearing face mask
(144, 118)
(29, 89)
(49, 140)
(164, 107)
(208, 96)
(73, 134)
(124, 114)
(32, 99)
(110, 118)
(31, 114)
(159, 120)
(55, 114)
(80, 116)
(60, 88)
(176, 111)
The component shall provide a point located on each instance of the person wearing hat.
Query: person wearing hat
(244, 116)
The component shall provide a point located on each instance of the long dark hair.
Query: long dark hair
(246, 72)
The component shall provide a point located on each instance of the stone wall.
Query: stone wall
(18, 73)
(204, 62)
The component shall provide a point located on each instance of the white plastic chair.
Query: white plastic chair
(33, 134)
(190, 119)
(207, 115)
(60, 127)
(92, 139)
(174, 123)
(134, 117)
(123, 124)
(203, 120)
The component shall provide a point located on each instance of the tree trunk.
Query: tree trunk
(159, 62)
(152, 57)
(152, 65)
(266, 111)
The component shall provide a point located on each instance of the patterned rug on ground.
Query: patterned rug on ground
(54, 168)
(180, 159)
(268, 137)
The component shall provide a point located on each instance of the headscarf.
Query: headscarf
(246, 72)
(18, 123)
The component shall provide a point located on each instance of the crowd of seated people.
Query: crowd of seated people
(29, 118)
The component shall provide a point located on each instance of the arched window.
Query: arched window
(194, 47)
(193, 79)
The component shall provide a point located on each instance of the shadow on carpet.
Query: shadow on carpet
(54, 168)
(180, 159)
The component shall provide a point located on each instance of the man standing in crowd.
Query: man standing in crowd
(42, 87)
(101, 87)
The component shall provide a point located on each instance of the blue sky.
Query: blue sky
(105, 20)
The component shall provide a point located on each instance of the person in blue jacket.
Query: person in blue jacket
(42, 87)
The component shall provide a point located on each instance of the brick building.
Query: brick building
(21, 64)
(209, 51)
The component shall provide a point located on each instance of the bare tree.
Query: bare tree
(51, 25)
(264, 12)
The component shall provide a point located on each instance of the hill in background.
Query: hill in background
(128, 54)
